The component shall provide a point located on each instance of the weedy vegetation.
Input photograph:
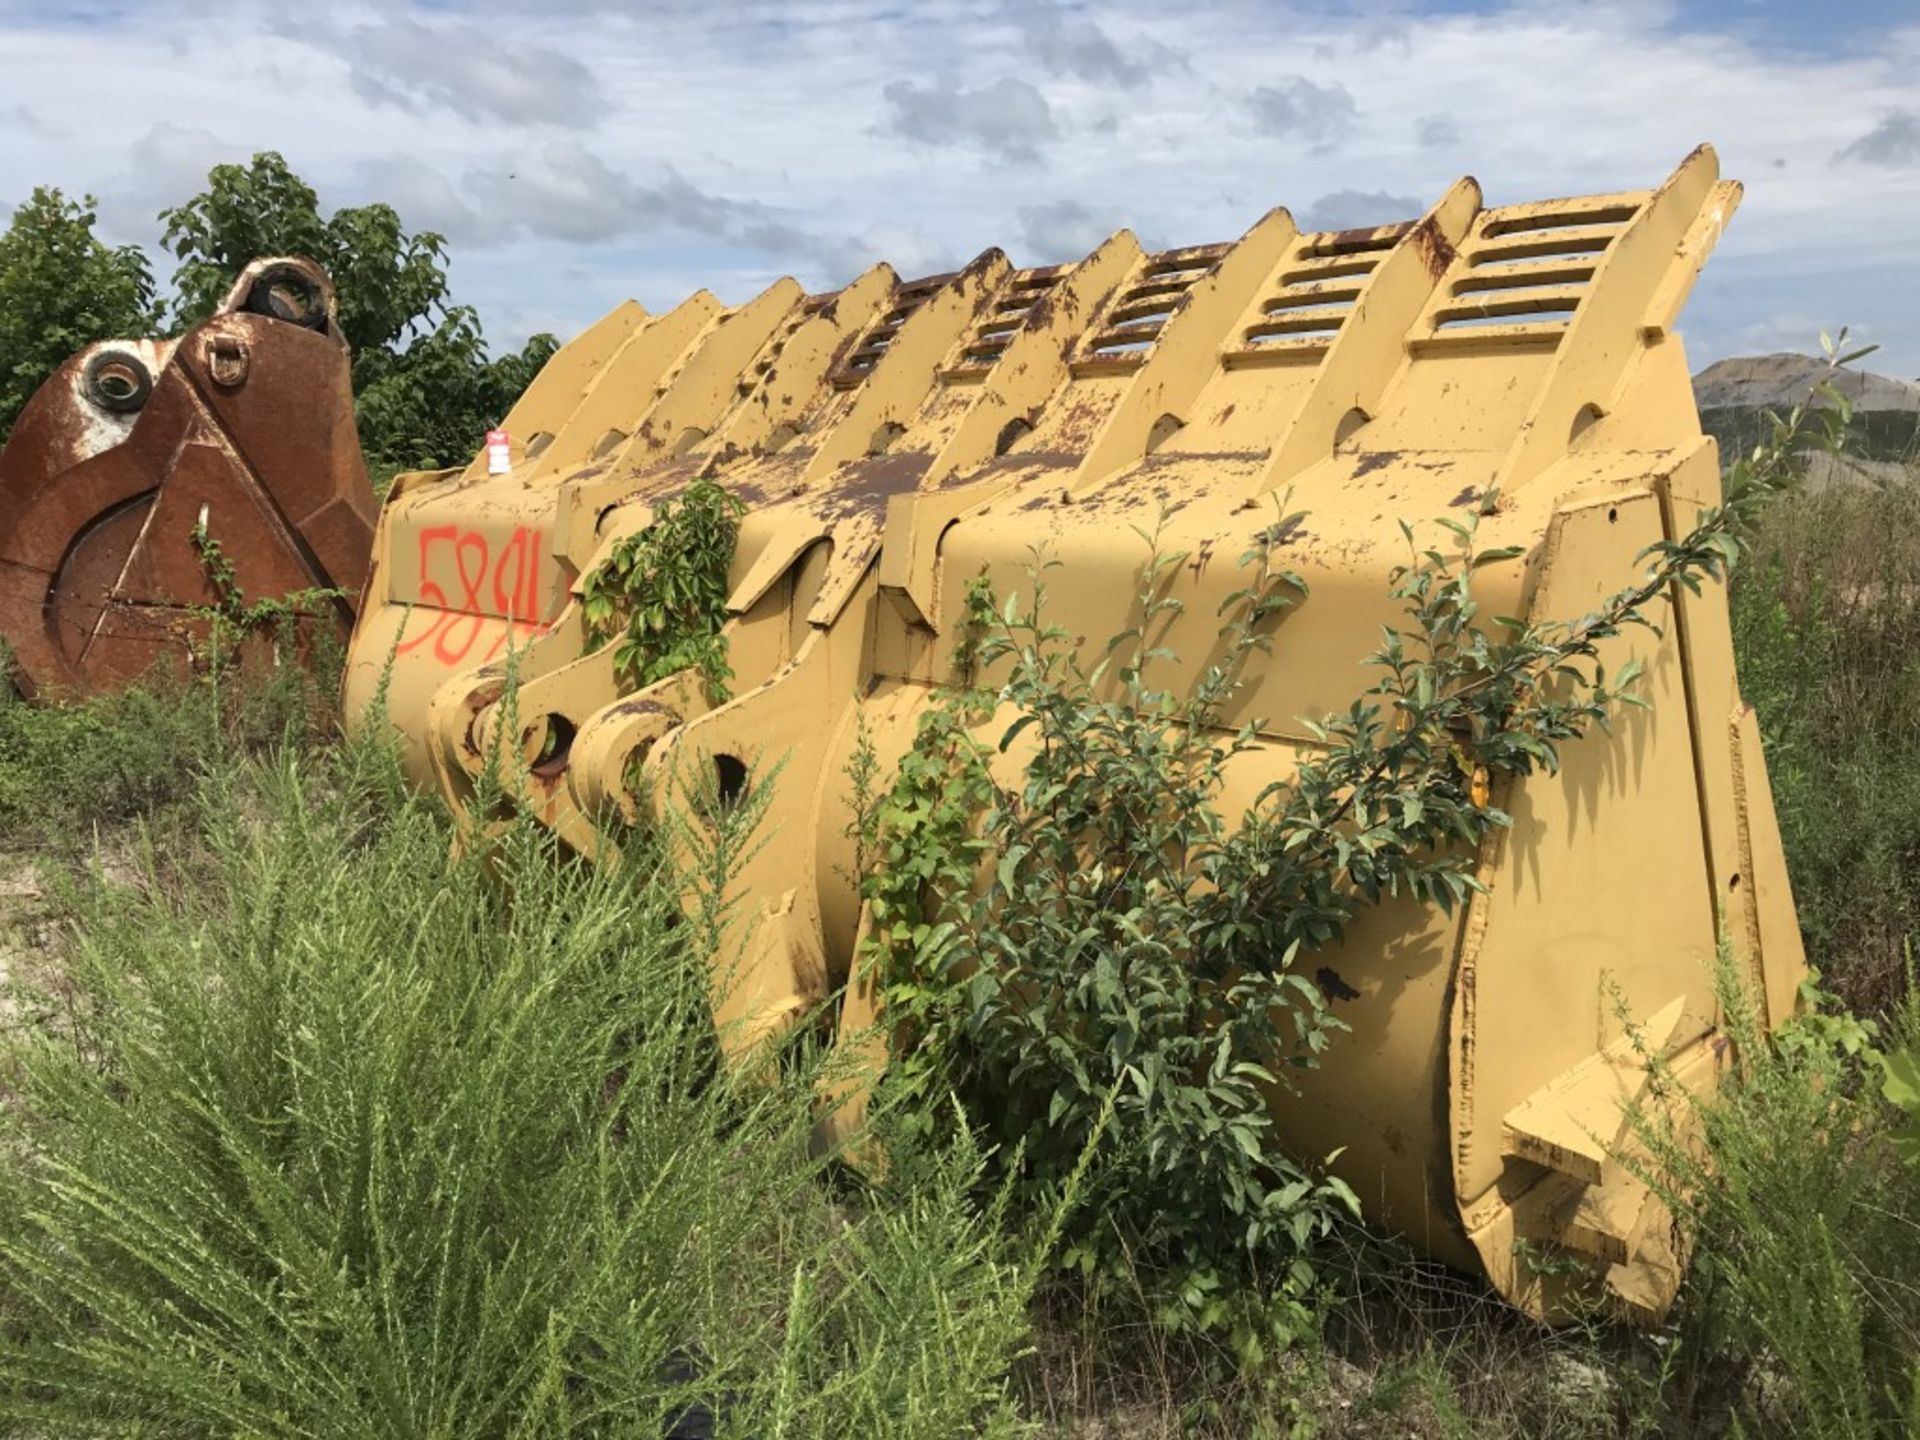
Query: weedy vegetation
(1827, 621)
(315, 1130)
(319, 1125)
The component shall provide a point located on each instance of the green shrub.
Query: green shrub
(1806, 1226)
(432, 403)
(1092, 980)
(319, 1132)
(62, 288)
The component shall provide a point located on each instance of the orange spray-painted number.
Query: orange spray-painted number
(510, 579)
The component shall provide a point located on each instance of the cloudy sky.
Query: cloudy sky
(576, 153)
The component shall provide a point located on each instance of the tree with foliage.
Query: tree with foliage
(62, 288)
(390, 283)
(430, 404)
(426, 389)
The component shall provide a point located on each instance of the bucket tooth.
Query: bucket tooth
(1609, 1221)
(1364, 341)
(908, 297)
(1002, 422)
(1575, 1123)
(1606, 1221)
(688, 377)
(701, 393)
(1646, 271)
(775, 402)
(1644, 1286)
(556, 393)
(1173, 364)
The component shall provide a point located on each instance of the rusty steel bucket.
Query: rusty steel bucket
(242, 429)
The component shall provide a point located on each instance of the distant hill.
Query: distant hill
(1732, 394)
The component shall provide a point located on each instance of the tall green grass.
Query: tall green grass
(1827, 630)
(315, 1131)
(67, 769)
(1805, 1284)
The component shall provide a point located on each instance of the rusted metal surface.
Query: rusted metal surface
(245, 424)
(899, 442)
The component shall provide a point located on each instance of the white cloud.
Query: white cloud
(733, 142)
(1062, 230)
(1894, 141)
(165, 166)
(564, 191)
(23, 122)
(1296, 108)
(1072, 44)
(473, 72)
(422, 194)
(1355, 209)
(1008, 118)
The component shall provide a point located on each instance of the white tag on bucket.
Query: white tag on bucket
(499, 462)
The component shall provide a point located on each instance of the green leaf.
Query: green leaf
(1901, 1087)
(1013, 730)
(1901, 1082)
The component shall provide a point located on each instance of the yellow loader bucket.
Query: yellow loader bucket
(894, 440)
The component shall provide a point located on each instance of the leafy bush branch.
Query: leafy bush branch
(663, 591)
